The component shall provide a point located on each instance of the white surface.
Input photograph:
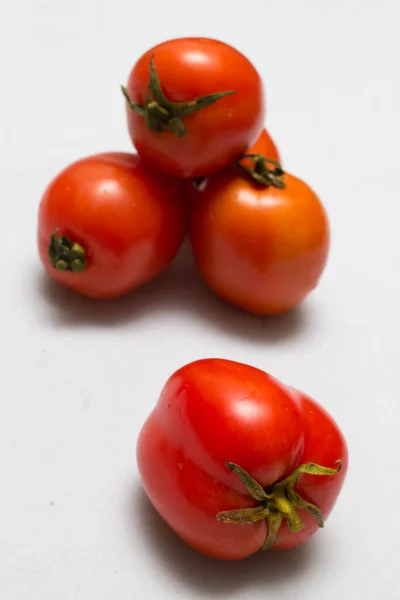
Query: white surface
(78, 379)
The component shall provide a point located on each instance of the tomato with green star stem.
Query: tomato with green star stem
(235, 461)
(194, 105)
(260, 236)
(108, 224)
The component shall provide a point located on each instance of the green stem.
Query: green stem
(162, 114)
(277, 503)
(65, 254)
(255, 490)
(274, 522)
(261, 171)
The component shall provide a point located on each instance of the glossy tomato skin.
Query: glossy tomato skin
(214, 410)
(216, 135)
(129, 219)
(261, 248)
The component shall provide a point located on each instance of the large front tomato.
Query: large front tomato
(108, 224)
(259, 247)
(176, 129)
(222, 458)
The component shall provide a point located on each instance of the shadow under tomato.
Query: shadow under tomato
(212, 577)
(179, 290)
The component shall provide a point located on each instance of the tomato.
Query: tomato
(235, 461)
(265, 146)
(107, 224)
(261, 245)
(204, 110)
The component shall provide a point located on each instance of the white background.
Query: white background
(78, 378)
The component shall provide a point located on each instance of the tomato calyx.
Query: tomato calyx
(277, 502)
(162, 114)
(65, 254)
(265, 171)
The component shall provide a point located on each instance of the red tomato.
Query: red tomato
(260, 247)
(187, 127)
(217, 425)
(108, 224)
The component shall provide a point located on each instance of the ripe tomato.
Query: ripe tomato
(217, 425)
(260, 247)
(189, 125)
(108, 224)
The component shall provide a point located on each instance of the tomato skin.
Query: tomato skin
(129, 219)
(261, 248)
(215, 410)
(217, 135)
(264, 145)
(324, 444)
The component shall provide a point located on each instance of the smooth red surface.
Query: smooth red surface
(129, 219)
(262, 249)
(217, 135)
(214, 410)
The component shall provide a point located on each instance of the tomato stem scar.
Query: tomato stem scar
(66, 255)
(162, 114)
(278, 501)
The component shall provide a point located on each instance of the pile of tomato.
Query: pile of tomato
(231, 458)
